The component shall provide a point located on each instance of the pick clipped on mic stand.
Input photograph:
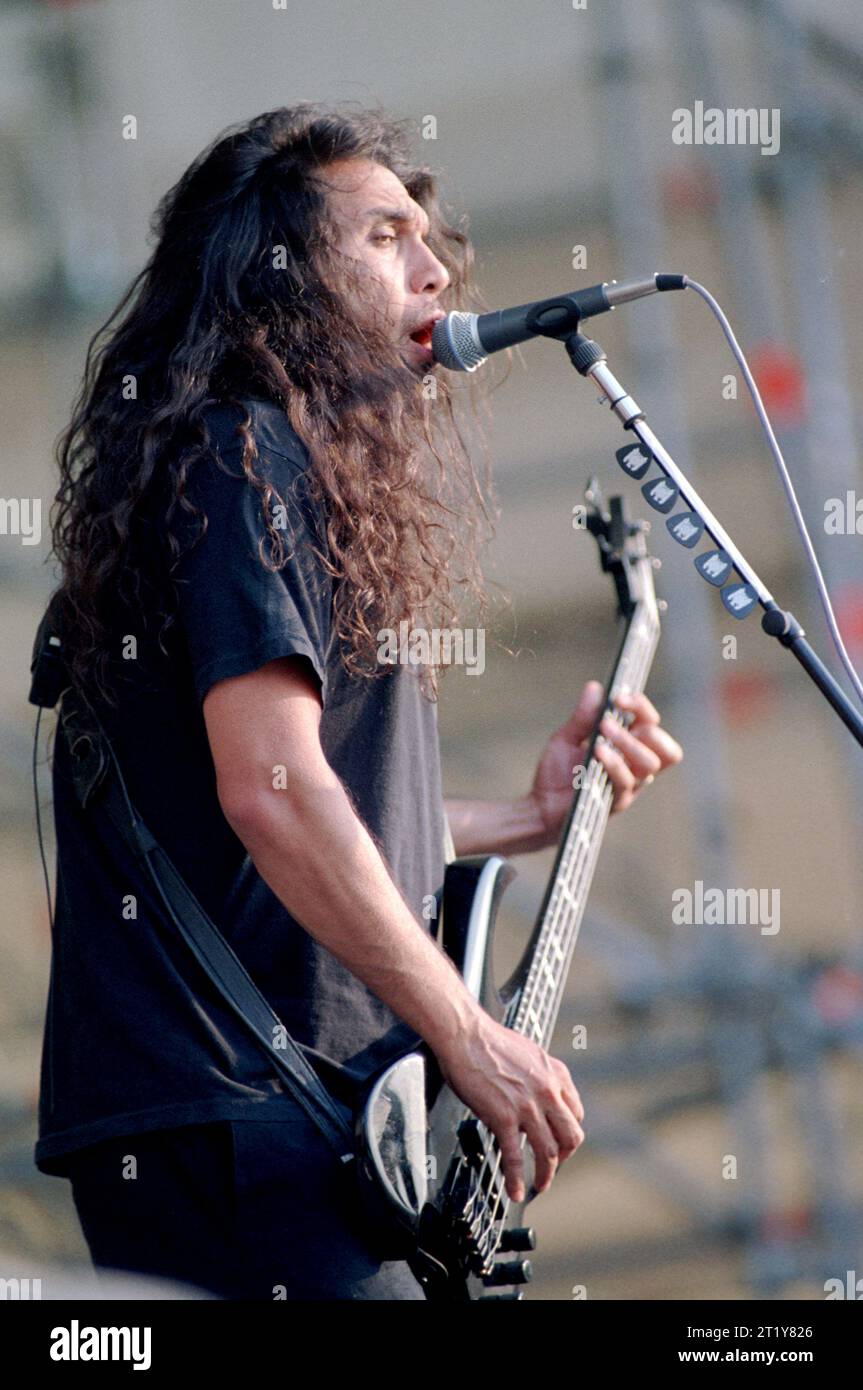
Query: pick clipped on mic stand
(690, 525)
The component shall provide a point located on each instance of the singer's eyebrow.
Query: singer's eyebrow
(396, 215)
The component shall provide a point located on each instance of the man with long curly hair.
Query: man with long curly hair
(263, 472)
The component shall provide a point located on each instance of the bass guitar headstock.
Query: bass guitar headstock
(623, 552)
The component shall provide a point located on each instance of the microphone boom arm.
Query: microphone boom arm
(589, 360)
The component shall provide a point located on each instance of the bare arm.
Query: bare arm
(310, 847)
(495, 827)
(632, 758)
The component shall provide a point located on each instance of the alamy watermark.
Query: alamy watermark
(843, 516)
(20, 1290)
(21, 516)
(441, 646)
(736, 125)
(850, 1287)
(77, 1343)
(700, 906)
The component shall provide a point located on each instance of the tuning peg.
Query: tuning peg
(518, 1238)
(509, 1272)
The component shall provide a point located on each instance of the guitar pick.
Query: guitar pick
(661, 494)
(686, 528)
(739, 599)
(634, 459)
(714, 566)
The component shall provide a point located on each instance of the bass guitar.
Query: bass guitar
(430, 1172)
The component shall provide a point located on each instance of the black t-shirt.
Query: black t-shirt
(136, 1037)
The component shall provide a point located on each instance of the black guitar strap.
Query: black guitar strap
(97, 777)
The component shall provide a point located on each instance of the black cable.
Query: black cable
(39, 817)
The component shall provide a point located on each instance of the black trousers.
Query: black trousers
(246, 1209)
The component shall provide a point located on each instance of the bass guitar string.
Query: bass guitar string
(641, 663)
(599, 809)
(486, 1175)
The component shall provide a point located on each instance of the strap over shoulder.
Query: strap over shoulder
(96, 775)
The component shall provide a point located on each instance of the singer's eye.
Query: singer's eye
(385, 236)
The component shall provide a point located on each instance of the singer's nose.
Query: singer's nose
(429, 275)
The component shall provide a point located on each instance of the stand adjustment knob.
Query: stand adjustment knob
(518, 1238)
(509, 1272)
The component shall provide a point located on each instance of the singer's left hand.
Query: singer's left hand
(633, 758)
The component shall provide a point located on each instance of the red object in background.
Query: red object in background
(848, 606)
(746, 696)
(838, 994)
(692, 187)
(791, 1223)
(780, 380)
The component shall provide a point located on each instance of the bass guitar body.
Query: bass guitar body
(426, 1161)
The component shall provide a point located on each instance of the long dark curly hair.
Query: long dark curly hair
(246, 295)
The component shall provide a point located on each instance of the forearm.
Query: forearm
(495, 827)
(339, 888)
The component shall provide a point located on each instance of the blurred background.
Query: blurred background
(551, 124)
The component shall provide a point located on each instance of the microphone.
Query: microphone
(462, 342)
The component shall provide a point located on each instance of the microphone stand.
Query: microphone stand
(589, 359)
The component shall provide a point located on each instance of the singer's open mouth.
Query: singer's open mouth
(422, 336)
